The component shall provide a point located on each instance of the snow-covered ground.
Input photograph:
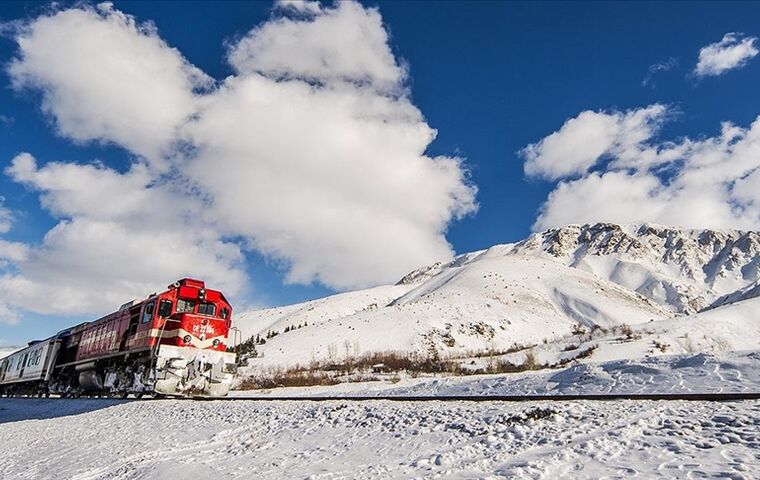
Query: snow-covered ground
(99, 440)
(690, 373)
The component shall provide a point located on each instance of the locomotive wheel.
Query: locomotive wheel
(138, 395)
(124, 394)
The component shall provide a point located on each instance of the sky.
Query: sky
(284, 151)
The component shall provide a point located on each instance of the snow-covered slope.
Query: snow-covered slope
(542, 290)
(317, 311)
(685, 269)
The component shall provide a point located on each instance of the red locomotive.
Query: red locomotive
(171, 343)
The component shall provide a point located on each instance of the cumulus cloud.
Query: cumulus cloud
(300, 6)
(6, 217)
(312, 153)
(346, 43)
(706, 183)
(8, 316)
(12, 251)
(584, 140)
(118, 235)
(106, 77)
(733, 51)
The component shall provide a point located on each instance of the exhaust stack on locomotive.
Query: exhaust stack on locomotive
(171, 343)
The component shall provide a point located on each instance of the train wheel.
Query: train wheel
(122, 394)
(138, 395)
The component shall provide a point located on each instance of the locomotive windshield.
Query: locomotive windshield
(185, 306)
(207, 309)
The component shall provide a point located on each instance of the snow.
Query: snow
(658, 310)
(98, 440)
(685, 269)
(316, 311)
(735, 372)
(537, 291)
(490, 303)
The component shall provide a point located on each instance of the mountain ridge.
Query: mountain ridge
(546, 287)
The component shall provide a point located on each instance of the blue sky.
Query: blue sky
(490, 77)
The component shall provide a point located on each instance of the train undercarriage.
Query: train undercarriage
(171, 371)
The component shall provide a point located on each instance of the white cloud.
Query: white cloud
(656, 68)
(584, 140)
(312, 154)
(346, 43)
(706, 183)
(300, 6)
(12, 251)
(106, 77)
(6, 217)
(733, 51)
(328, 152)
(8, 316)
(120, 235)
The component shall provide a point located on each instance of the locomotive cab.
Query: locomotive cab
(192, 324)
(190, 316)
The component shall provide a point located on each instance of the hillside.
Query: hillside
(688, 270)
(549, 289)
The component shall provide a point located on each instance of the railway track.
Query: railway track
(701, 397)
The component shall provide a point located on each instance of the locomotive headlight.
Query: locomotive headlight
(186, 339)
(216, 342)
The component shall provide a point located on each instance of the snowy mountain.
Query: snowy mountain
(688, 270)
(549, 289)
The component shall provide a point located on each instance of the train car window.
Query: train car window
(148, 313)
(165, 308)
(225, 313)
(207, 309)
(185, 306)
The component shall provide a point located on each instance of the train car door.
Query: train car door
(22, 364)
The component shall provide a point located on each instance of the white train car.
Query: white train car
(31, 364)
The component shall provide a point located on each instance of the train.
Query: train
(172, 343)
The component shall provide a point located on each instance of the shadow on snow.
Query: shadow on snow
(18, 409)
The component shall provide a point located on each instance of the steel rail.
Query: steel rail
(702, 397)
(601, 397)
